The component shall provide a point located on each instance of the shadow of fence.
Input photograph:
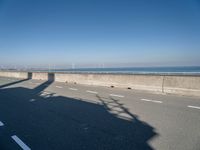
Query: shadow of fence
(57, 122)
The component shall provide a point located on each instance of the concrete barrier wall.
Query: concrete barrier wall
(141, 82)
(183, 85)
(39, 76)
(22, 75)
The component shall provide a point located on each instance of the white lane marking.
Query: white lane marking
(33, 83)
(1, 123)
(20, 143)
(148, 100)
(116, 95)
(32, 100)
(93, 92)
(73, 89)
(193, 107)
(44, 92)
(60, 87)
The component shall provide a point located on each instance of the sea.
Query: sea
(188, 70)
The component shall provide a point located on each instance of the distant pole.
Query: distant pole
(49, 67)
(73, 66)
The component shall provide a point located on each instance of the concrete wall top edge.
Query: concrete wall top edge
(179, 84)
(103, 73)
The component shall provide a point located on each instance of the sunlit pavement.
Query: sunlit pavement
(43, 115)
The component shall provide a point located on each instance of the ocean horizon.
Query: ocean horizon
(190, 70)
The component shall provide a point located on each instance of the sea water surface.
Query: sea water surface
(136, 70)
(188, 70)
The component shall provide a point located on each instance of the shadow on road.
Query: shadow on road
(45, 120)
(29, 77)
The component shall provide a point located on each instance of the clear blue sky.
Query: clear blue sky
(95, 32)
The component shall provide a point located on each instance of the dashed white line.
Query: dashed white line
(32, 100)
(93, 92)
(1, 123)
(196, 107)
(116, 95)
(60, 87)
(44, 92)
(148, 100)
(20, 143)
(34, 83)
(73, 89)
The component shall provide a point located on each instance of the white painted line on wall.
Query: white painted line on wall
(148, 100)
(93, 92)
(193, 107)
(73, 89)
(60, 87)
(1, 123)
(116, 95)
(20, 143)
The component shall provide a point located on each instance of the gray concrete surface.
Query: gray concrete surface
(55, 115)
(181, 85)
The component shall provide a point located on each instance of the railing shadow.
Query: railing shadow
(29, 77)
(43, 86)
(56, 122)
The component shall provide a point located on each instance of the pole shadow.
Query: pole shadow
(29, 77)
(56, 122)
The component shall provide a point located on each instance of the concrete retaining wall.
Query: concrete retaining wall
(141, 82)
(183, 85)
(22, 75)
(39, 76)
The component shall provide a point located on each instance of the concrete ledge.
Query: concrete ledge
(22, 75)
(182, 85)
(39, 76)
(141, 82)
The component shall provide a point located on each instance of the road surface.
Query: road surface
(44, 115)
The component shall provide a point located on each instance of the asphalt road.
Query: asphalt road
(43, 115)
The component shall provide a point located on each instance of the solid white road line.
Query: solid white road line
(20, 143)
(73, 89)
(60, 87)
(1, 123)
(116, 95)
(148, 100)
(193, 107)
(93, 92)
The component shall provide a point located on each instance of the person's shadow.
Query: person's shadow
(47, 121)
